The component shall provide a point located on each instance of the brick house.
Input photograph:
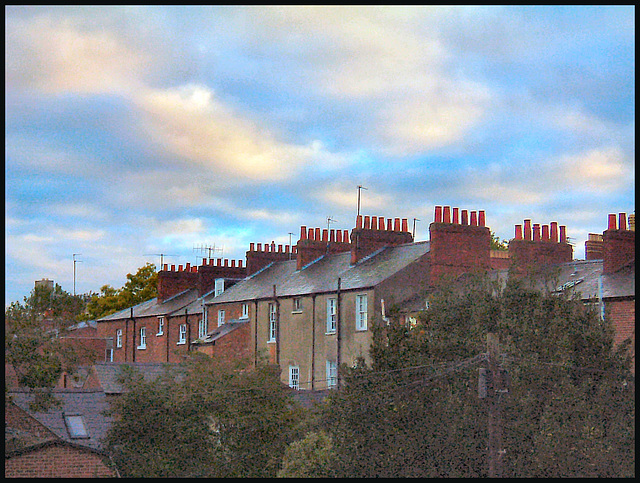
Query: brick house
(59, 443)
(313, 313)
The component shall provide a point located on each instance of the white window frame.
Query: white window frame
(143, 338)
(119, 338)
(203, 325)
(221, 317)
(332, 374)
(294, 377)
(108, 356)
(361, 312)
(332, 309)
(160, 325)
(245, 311)
(182, 334)
(297, 305)
(219, 286)
(272, 322)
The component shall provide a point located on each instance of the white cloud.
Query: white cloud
(596, 170)
(192, 123)
(58, 55)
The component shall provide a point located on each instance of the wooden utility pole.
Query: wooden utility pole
(495, 389)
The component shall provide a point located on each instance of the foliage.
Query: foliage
(209, 419)
(496, 244)
(415, 412)
(140, 287)
(311, 457)
(33, 347)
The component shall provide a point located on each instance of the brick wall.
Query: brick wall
(58, 460)
(373, 233)
(539, 245)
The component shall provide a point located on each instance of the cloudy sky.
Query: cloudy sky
(132, 132)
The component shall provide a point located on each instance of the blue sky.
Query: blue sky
(137, 131)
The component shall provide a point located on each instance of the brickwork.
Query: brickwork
(619, 248)
(57, 461)
(458, 245)
(372, 233)
(539, 246)
(259, 257)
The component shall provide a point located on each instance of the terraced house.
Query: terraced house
(311, 307)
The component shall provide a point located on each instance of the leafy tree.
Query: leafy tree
(496, 244)
(33, 348)
(209, 419)
(140, 287)
(416, 412)
(311, 457)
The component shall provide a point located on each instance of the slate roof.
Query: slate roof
(108, 373)
(221, 331)
(585, 277)
(153, 308)
(90, 404)
(321, 276)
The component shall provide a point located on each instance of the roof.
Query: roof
(221, 331)
(152, 307)
(321, 276)
(91, 405)
(585, 278)
(108, 373)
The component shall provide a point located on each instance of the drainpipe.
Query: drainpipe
(600, 301)
(313, 341)
(275, 300)
(133, 351)
(167, 341)
(255, 335)
(186, 321)
(338, 330)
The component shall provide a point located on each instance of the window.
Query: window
(331, 315)
(245, 311)
(143, 338)
(119, 338)
(219, 288)
(203, 325)
(75, 426)
(182, 334)
(332, 374)
(297, 304)
(272, 322)
(294, 377)
(160, 326)
(220, 317)
(361, 312)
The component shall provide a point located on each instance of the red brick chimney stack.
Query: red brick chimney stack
(618, 244)
(539, 246)
(375, 233)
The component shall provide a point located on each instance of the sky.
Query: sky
(137, 135)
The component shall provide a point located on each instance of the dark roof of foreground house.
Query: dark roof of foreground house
(80, 419)
(109, 373)
(321, 276)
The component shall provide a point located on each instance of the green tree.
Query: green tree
(416, 413)
(33, 347)
(140, 287)
(311, 457)
(210, 419)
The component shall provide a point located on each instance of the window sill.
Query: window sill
(159, 334)
(330, 333)
(141, 347)
(271, 341)
(181, 343)
(361, 330)
(296, 311)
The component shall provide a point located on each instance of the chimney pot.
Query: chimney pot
(446, 214)
(438, 215)
(367, 222)
(390, 224)
(279, 248)
(273, 246)
(286, 248)
(345, 236)
(219, 261)
(554, 232)
(381, 223)
(481, 218)
(311, 234)
(325, 235)
(359, 221)
(536, 232)
(612, 222)
(233, 263)
(303, 233)
(545, 232)
(396, 224)
(317, 234)
(259, 247)
(455, 216)
(173, 268)
(239, 263)
(518, 232)
(622, 225)
(179, 268)
(464, 217)
(188, 267)
(527, 229)
(252, 247)
(474, 218)
(563, 234)
(338, 236)
(165, 267)
(405, 225)
(374, 222)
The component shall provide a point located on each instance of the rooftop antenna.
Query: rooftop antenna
(360, 187)
(210, 249)
(290, 247)
(329, 221)
(161, 255)
(74, 271)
